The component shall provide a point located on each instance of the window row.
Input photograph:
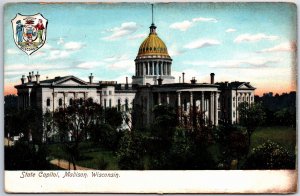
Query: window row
(105, 92)
(60, 102)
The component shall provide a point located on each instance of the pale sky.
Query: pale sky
(252, 42)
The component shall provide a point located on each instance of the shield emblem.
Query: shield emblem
(29, 32)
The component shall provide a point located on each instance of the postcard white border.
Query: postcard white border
(213, 181)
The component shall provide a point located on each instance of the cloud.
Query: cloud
(174, 51)
(89, 64)
(182, 26)
(13, 70)
(202, 43)
(63, 51)
(230, 30)
(116, 58)
(138, 36)
(236, 64)
(73, 45)
(254, 37)
(13, 51)
(200, 19)
(283, 47)
(122, 64)
(58, 54)
(125, 29)
(60, 41)
(186, 24)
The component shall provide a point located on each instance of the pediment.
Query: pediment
(243, 86)
(72, 81)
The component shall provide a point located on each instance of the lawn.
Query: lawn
(90, 156)
(285, 136)
(98, 158)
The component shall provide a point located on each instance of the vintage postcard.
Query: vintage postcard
(152, 97)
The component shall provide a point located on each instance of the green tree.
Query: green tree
(251, 116)
(131, 151)
(74, 124)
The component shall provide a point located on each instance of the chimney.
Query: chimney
(212, 78)
(159, 80)
(32, 76)
(193, 81)
(179, 79)
(37, 76)
(91, 78)
(29, 77)
(126, 85)
(23, 79)
(183, 77)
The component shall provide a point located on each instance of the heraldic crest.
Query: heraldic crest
(29, 32)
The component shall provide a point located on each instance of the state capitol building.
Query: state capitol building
(152, 84)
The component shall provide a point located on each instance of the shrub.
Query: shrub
(270, 155)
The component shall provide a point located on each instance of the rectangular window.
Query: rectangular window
(109, 92)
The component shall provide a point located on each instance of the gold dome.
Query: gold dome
(153, 46)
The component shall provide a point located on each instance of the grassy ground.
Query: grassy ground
(97, 158)
(90, 156)
(285, 136)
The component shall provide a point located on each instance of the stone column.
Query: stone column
(179, 106)
(210, 107)
(159, 99)
(202, 101)
(53, 101)
(65, 99)
(216, 107)
(161, 68)
(213, 107)
(29, 97)
(168, 98)
(178, 99)
(191, 100)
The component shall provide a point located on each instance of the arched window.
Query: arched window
(104, 103)
(48, 102)
(119, 105)
(80, 101)
(109, 103)
(126, 104)
(60, 102)
(71, 101)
